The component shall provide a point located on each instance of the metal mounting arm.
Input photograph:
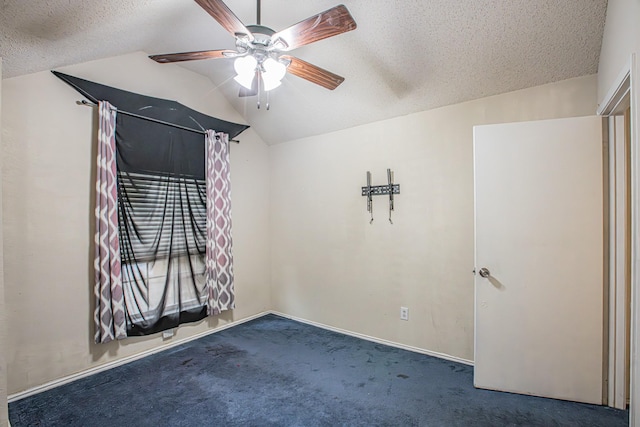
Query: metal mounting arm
(376, 190)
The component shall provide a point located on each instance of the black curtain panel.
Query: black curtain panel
(162, 224)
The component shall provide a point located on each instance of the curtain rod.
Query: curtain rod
(151, 119)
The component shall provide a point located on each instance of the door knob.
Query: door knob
(484, 272)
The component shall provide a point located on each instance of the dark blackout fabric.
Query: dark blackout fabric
(162, 224)
(151, 107)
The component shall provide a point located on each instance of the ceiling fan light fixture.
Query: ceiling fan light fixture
(245, 65)
(274, 72)
(245, 80)
(270, 84)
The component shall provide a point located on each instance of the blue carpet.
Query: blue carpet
(278, 372)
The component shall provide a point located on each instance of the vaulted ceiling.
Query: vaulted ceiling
(404, 57)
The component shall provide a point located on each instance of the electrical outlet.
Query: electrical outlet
(404, 313)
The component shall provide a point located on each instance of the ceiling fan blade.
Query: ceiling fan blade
(313, 73)
(221, 13)
(329, 23)
(192, 56)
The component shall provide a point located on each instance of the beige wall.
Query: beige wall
(329, 265)
(621, 38)
(47, 162)
(3, 321)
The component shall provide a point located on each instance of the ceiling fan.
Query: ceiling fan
(261, 61)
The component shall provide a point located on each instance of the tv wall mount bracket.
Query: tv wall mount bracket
(380, 190)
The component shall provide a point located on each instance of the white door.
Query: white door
(539, 232)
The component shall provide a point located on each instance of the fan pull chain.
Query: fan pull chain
(262, 93)
(259, 88)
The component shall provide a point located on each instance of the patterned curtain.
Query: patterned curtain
(109, 313)
(219, 258)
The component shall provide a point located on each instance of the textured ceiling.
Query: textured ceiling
(404, 57)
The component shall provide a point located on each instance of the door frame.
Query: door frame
(627, 84)
(617, 259)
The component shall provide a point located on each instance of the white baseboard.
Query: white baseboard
(113, 364)
(378, 340)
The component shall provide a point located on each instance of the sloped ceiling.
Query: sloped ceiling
(404, 57)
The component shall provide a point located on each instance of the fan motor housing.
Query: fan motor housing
(262, 35)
